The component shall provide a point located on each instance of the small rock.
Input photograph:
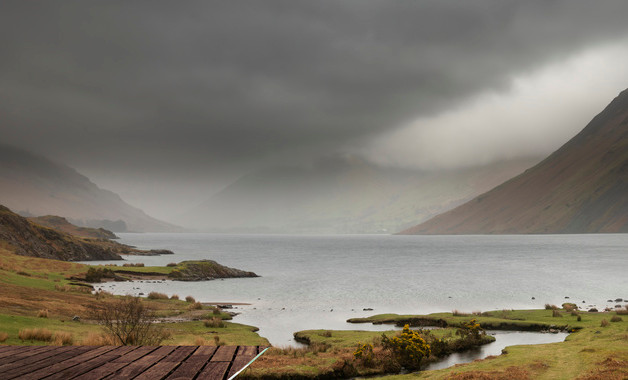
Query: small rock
(566, 297)
(619, 299)
(76, 318)
(367, 309)
(533, 298)
(609, 300)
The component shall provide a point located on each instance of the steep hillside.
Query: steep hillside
(342, 195)
(33, 185)
(61, 224)
(580, 188)
(22, 237)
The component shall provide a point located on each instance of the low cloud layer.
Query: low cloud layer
(145, 92)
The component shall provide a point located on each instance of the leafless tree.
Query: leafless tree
(129, 322)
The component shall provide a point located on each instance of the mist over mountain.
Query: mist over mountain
(580, 188)
(33, 185)
(342, 194)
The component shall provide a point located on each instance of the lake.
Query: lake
(312, 282)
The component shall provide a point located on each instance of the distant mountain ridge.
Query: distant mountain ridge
(580, 188)
(342, 194)
(33, 186)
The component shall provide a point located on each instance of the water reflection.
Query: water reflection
(502, 340)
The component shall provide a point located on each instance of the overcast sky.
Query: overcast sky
(165, 102)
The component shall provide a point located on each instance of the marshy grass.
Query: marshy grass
(556, 313)
(62, 338)
(157, 296)
(550, 307)
(616, 318)
(604, 323)
(40, 334)
(42, 313)
(174, 297)
(96, 339)
(214, 323)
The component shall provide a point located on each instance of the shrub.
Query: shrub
(3, 336)
(174, 297)
(622, 312)
(568, 306)
(217, 341)
(214, 322)
(129, 322)
(364, 354)
(550, 307)
(171, 265)
(604, 323)
(200, 341)
(190, 299)
(408, 348)
(556, 313)
(157, 296)
(196, 306)
(62, 338)
(43, 313)
(616, 318)
(138, 265)
(40, 334)
(216, 311)
(471, 331)
(579, 319)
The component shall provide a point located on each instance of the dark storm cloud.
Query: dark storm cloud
(208, 83)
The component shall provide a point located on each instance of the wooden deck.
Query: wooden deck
(124, 362)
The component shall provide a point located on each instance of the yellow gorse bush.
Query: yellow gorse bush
(408, 347)
(364, 353)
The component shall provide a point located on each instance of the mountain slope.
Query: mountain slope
(580, 188)
(342, 194)
(22, 237)
(34, 185)
(61, 224)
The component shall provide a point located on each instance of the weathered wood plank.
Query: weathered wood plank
(20, 352)
(41, 355)
(214, 371)
(180, 354)
(47, 362)
(60, 366)
(193, 364)
(86, 366)
(140, 365)
(224, 354)
(158, 371)
(244, 355)
(136, 354)
(116, 364)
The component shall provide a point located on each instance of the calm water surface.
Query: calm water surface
(311, 282)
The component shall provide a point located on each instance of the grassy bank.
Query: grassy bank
(39, 294)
